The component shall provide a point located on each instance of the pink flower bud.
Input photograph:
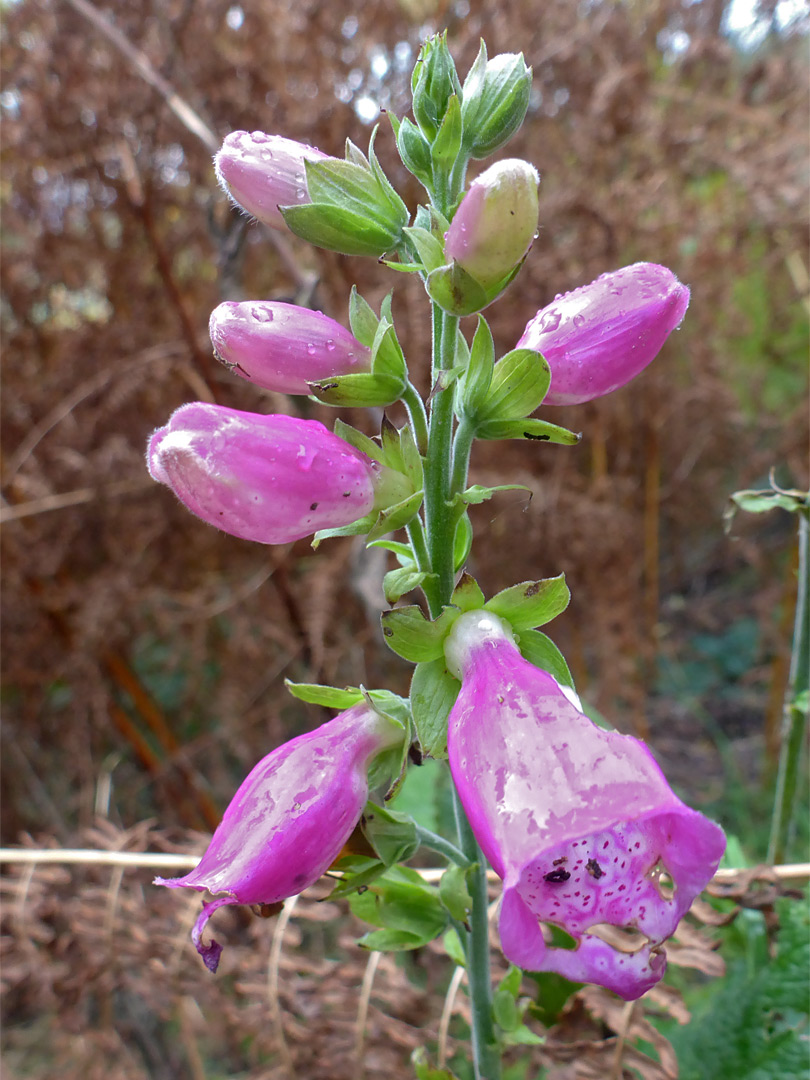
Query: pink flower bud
(496, 222)
(262, 172)
(283, 347)
(290, 818)
(272, 479)
(600, 336)
(578, 822)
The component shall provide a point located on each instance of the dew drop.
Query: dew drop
(330, 345)
(550, 321)
(266, 154)
(579, 320)
(261, 314)
(260, 136)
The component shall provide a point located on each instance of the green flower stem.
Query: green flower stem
(438, 843)
(795, 716)
(486, 1053)
(462, 445)
(439, 523)
(413, 402)
(445, 474)
(416, 536)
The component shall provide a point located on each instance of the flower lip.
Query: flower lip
(578, 822)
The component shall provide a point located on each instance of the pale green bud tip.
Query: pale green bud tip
(496, 222)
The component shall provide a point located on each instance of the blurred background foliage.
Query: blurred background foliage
(144, 653)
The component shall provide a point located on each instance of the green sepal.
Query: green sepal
(387, 358)
(362, 319)
(355, 155)
(445, 378)
(362, 389)
(396, 516)
(462, 541)
(362, 189)
(391, 834)
(520, 381)
(411, 635)
(480, 369)
(447, 144)
(427, 247)
(407, 910)
(496, 98)
(359, 441)
(467, 595)
(401, 453)
(400, 210)
(433, 694)
(537, 430)
(455, 291)
(338, 229)
(357, 528)
(454, 894)
(434, 81)
(329, 697)
(404, 579)
(531, 603)
(403, 268)
(541, 651)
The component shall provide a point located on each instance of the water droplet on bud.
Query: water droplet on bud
(261, 314)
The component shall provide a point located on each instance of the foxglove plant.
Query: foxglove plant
(578, 822)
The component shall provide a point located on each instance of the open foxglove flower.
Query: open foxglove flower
(600, 336)
(268, 478)
(290, 818)
(578, 822)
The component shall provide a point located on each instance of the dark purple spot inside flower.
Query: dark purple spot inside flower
(313, 506)
(556, 876)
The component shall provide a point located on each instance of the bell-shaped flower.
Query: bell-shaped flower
(261, 172)
(283, 347)
(272, 479)
(290, 818)
(495, 224)
(600, 336)
(578, 822)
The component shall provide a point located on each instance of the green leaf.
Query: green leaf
(467, 595)
(511, 981)
(357, 873)
(411, 458)
(454, 948)
(425, 1071)
(338, 229)
(447, 144)
(462, 543)
(755, 1024)
(392, 835)
(454, 894)
(531, 603)
(407, 910)
(414, 149)
(412, 636)
(543, 653)
(505, 1010)
(403, 552)
(396, 516)
(361, 390)
(520, 381)
(404, 579)
(478, 494)
(398, 207)
(362, 320)
(521, 1036)
(387, 358)
(330, 697)
(433, 693)
(362, 525)
(539, 430)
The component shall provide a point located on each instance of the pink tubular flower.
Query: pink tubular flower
(283, 347)
(496, 222)
(272, 479)
(290, 818)
(262, 172)
(600, 336)
(578, 822)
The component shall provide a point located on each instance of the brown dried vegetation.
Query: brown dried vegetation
(144, 652)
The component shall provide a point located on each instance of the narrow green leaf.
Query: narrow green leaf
(433, 693)
(359, 441)
(404, 579)
(361, 390)
(454, 894)
(362, 320)
(531, 603)
(330, 697)
(505, 1011)
(467, 595)
(427, 246)
(462, 543)
(447, 144)
(477, 381)
(403, 552)
(538, 430)
(412, 636)
(338, 229)
(391, 834)
(357, 528)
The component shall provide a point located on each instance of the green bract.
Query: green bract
(496, 97)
